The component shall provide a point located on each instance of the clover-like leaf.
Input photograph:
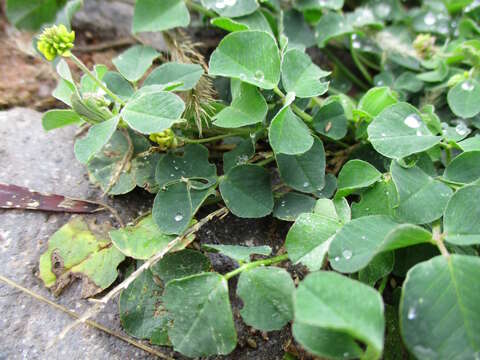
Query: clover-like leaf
(266, 294)
(173, 72)
(288, 134)
(304, 172)
(415, 189)
(288, 207)
(247, 192)
(360, 240)
(143, 240)
(247, 108)
(329, 316)
(80, 250)
(54, 119)
(193, 165)
(180, 264)
(460, 221)
(118, 85)
(464, 169)
(253, 21)
(142, 312)
(398, 131)
(330, 120)
(463, 98)
(356, 174)
(439, 308)
(308, 239)
(151, 15)
(134, 62)
(98, 135)
(153, 112)
(231, 8)
(380, 199)
(198, 320)
(331, 25)
(251, 56)
(301, 76)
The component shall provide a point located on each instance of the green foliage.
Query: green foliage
(368, 143)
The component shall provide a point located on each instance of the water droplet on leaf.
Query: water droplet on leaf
(178, 217)
(412, 121)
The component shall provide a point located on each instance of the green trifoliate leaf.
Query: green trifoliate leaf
(356, 174)
(463, 98)
(144, 169)
(465, 168)
(80, 250)
(247, 192)
(331, 25)
(380, 199)
(247, 108)
(408, 81)
(193, 165)
(203, 323)
(153, 112)
(174, 207)
(337, 209)
(415, 189)
(331, 121)
(266, 294)
(240, 155)
(141, 241)
(88, 85)
(238, 252)
(301, 76)
(151, 15)
(231, 8)
(251, 56)
(376, 100)
(439, 315)
(360, 240)
(288, 134)
(142, 313)
(305, 172)
(398, 131)
(295, 28)
(97, 136)
(380, 266)
(105, 164)
(118, 85)
(254, 21)
(134, 62)
(470, 144)
(460, 221)
(288, 207)
(309, 238)
(54, 119)
(327, 310)
(173, 72)
(180, 264)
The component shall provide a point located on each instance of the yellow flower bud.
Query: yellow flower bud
(56, 41)
(165, 139)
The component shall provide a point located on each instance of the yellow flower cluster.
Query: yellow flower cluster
(56, 41)
(165, 139)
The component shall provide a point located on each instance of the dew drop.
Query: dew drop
(430, 19)
(346, 354)
(305, 184)
(420, 301)
(337, 258)
(412, 121)
(347, 254)
(230, 2)
(282, 203)
(467, 86)
(178, 217)
(175, 167)
(363, 236)
(412, 313)
(259, 75)
(383, 134)
(356, 44)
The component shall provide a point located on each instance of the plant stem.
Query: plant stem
(302, 114)
(359, 64)
(345, 70)
(255, 264)
(205, 140)
(85, 69)
(265, 161)
(382, 285)
(437, 237)
(200, 9)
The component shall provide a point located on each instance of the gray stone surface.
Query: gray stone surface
(45, 162)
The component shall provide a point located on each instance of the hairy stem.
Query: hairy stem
(90, 74)
(255, 264)
(438, 237)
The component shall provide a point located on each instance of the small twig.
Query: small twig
(100, 303)
(112, 210)
(438, 237)
(88, 322)
(126, 159)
